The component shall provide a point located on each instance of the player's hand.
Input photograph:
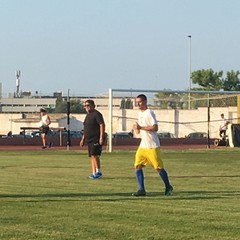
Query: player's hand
(136, 126)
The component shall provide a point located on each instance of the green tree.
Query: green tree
(61, 106)
(76, 106)
(232, 82)
(170, 100)
(208, 79)
(126, 103)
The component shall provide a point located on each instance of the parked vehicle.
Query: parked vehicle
(73, 134)
(32, 134)
(197, 135)
(165, 134)
(123, 135)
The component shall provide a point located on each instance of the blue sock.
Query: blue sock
(164, 176)
(140, 179)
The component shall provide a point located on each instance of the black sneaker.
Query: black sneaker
(50, 145)
(168, 191)
(139, 193)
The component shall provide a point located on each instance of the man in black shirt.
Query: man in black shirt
(93, 136)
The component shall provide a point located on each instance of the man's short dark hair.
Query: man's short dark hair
(143, 97)
(91, 102)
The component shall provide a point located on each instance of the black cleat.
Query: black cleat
(168, 191)
(139, 193)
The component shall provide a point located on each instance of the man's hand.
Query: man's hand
(81, 142)
(101, 141)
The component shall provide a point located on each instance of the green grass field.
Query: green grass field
(47, 195)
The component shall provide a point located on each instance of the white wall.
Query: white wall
(190, 120)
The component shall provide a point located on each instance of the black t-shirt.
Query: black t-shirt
(92, 126)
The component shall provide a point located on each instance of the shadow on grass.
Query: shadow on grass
(200, 195)
(186, 195)
(208, 176)
(51, 197)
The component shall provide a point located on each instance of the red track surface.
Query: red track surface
(118, 144)
(122, 147)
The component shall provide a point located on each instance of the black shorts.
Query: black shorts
(44, 129)
(94, 149)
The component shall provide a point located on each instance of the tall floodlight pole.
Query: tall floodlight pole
(190, 72)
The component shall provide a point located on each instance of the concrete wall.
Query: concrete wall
(178, 122)
(18, 105)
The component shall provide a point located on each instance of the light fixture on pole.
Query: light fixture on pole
(190, 73)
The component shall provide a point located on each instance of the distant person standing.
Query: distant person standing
(223, 126)
(44, 126)
(149, 148)
(93, 136)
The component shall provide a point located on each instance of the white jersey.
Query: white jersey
(44, 120)
(223, 125)
(149, 138)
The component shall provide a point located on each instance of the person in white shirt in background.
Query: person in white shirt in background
(44, 127)
(223, 126)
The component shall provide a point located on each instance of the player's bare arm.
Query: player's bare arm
(137, 127)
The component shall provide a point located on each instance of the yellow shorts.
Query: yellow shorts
(148, 155)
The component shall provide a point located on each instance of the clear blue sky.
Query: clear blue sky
(89, 46)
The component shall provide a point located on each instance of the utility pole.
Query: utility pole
(17, 94)
(68, 122)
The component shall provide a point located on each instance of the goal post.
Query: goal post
(173, 111)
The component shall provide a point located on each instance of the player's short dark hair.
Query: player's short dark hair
(43, 110)
(143, 97)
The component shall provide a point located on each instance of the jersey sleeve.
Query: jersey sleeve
(153, 118)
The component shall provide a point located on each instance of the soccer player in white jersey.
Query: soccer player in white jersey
(149, 148)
